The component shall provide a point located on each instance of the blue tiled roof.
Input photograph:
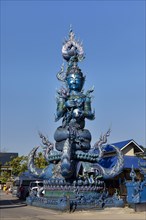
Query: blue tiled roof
(120, 145)
(131, 160)
(109, 162)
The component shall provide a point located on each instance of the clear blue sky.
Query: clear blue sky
(32, 33)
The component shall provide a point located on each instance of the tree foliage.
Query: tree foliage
(5, 176)
(18, 165)
(40, 161)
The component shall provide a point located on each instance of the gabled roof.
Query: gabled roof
(123, 144)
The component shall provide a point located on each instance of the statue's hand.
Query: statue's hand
(77, 113)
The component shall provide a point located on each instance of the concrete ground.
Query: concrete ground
(14, 209)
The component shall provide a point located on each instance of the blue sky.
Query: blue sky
(32, 33)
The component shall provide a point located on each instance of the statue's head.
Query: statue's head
(74, 82)
(75, 79)
(72, 52)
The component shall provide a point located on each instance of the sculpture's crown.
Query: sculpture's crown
(72, 48)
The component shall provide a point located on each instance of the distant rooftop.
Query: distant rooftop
(7, 157)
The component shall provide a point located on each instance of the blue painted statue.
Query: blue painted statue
(74, 107)
(73, 170)
(136, 190)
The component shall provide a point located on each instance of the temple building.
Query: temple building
(131, 152)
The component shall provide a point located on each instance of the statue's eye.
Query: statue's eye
(69, 78)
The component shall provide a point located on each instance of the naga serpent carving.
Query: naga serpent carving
(66, 168)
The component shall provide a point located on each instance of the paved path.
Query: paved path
(14, 209)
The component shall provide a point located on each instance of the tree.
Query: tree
(5, 176)
(40, 161)
(18, 165)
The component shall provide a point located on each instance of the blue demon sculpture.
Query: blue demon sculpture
(73, 163)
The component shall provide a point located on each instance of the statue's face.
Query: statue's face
(75, 82)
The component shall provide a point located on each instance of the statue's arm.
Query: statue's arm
(88, 113)
(61, 108)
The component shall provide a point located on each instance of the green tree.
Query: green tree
(40, 161)
(18, 165)
(5, 176)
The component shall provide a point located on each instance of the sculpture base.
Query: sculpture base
(70, 201)
(67, 201)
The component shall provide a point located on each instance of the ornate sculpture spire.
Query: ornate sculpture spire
(72, 48)
(71, 33)
(72, 52)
